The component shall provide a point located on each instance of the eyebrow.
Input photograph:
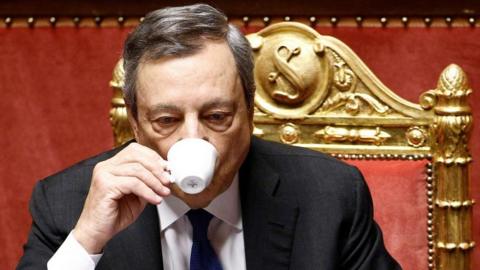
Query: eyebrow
(162, 107)
(218, 103)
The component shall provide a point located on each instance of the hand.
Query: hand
(121, 188)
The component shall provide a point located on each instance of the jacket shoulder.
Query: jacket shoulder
(58, 199)
(306, 170)
(80, 170)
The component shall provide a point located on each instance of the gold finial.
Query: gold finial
(453, 82)
(118, 113)
(118, 75)
(449, 96)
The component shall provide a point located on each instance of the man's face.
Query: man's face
(197, 96)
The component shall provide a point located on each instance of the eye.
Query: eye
(166, 124)
(216, 117)
(218, 120)
(166, 120)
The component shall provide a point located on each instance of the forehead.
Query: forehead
(209, 73)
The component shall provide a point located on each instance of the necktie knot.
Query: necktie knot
(200, 219)
(203, 256)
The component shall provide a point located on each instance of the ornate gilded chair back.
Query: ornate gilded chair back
(313, 91)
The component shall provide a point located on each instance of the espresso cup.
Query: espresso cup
(192, 164)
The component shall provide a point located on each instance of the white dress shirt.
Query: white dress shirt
(225, 233)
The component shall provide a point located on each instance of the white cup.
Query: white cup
(192, 163)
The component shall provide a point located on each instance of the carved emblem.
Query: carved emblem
(334, 134)
(345, 81)
(289, 133)
(352, 103)
(290, 87)
(291, 70)
(416, 136)
(344, 78)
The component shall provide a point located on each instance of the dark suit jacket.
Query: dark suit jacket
(301, 210)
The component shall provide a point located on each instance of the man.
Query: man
(188, 74)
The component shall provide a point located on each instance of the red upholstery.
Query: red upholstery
(400, 201)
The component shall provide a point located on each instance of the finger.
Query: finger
(146, 156)
(143, 174)
(132, 185)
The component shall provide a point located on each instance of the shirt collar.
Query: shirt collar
(225, 207)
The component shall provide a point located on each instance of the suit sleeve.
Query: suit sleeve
(44, 238)
(364, 249)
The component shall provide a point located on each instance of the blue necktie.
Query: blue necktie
(203, 256)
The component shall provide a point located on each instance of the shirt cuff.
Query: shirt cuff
(71, 255)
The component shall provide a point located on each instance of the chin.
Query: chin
(194, 201)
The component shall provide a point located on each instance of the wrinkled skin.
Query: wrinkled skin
(196, 96)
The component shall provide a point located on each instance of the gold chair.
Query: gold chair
(313, 91)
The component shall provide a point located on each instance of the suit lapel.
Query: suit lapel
(137, 247)
(268, 222)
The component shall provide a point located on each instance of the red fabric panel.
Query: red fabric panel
(400, 203)
(55, 103)
(55, 99)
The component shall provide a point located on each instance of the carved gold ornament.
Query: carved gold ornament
(454, 116)
(118, 114)
(416, 136)
(344, 78)
(289, 133)
(291, 71)
(454, 204)
(352, 103)
(258, 132)
(118, 76)
(451, 128)
(334, 134)
(346, 98)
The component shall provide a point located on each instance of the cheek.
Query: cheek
(162, 147)
(151, 139)
(232, 145)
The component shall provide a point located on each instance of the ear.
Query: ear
(133, 122)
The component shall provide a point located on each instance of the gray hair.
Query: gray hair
(182, 31)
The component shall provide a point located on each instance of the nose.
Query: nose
(192, 128)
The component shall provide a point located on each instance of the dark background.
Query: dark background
(248, 7)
